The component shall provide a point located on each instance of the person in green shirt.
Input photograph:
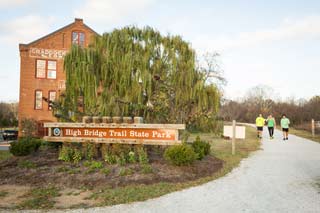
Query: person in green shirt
(271, 123)
(260, 123)
(285, 122)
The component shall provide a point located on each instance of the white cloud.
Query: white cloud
(111, 11)
(13, 3)
(306, 28)
(24, 29)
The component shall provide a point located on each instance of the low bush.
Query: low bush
(131, 157)
(121, 159)
(69, 153)
(66, 153)
(25, 146)
(89, 150)
(106, 171)
(202, 148)
(77, 155)
(146, 168)
(142, 155)
(180, 155)
(93, 166)
(123, 154)
(110, 158)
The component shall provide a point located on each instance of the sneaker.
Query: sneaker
(284, 139)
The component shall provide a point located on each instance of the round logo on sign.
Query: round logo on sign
(56, 132)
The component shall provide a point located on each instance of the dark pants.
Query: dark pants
(271, 130)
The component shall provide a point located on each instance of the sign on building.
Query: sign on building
(47, 53)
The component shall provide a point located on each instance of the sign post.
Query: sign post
(233, 137)
(312, 127)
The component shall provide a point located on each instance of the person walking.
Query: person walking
(285, 122)
(260, 123)
(271, 123)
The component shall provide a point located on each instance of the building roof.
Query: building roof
(46, 36)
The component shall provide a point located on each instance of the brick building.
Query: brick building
(41, 70)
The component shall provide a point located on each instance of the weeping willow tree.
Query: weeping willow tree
(139, 72)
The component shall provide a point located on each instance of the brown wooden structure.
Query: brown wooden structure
(125, 133)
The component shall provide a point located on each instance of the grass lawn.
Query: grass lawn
(305, 134)
(220, 148)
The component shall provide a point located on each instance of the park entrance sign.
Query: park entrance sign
(151, 134)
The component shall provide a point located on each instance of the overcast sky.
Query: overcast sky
(275, 42)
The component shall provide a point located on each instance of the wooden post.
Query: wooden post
(233, 137)
(312, 127)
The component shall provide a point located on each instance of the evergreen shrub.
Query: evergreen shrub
(25, 146)
(180, 155)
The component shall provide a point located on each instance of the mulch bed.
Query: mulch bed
(50, 171)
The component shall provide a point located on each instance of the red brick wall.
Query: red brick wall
(59, 40)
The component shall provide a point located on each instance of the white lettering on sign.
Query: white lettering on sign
(96, 133)
(139, 134)
(154, 134)
(47, 53)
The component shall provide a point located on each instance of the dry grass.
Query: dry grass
(305, 134)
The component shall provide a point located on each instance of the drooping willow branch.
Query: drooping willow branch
(156, 75)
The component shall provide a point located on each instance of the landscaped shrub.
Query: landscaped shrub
(65, 153)
(118, 149)
(93, 166)
(121, 159)
(88, 150)
(110, 158)
(122, 154)
(25, 146)
(132, 157)
(77, 155)
(146, 168)
(180, 155)
(70, 152)
(202, 148)
(142, 155)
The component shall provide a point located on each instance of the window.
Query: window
(52, 97)
(78, 38)
(41, 69)
(52, 70)
(46, 68)
(38, 99)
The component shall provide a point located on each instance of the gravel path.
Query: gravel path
(283, 177)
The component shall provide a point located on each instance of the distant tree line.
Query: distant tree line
(259, 100)
(8, 114)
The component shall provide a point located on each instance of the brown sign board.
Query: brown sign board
(154, 134)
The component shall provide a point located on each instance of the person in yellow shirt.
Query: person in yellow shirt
(260, 123)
